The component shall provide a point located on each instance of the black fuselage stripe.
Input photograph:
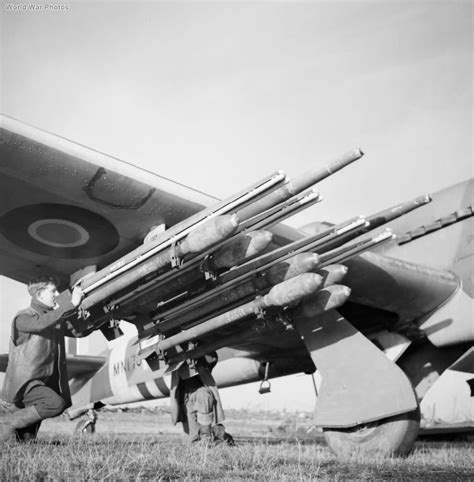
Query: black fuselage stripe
(160, 383)
(144, 391)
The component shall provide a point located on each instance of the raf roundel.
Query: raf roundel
(59, 230)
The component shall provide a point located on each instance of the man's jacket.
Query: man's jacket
(37, 351)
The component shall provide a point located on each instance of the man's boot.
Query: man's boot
(205, 434)
(221, 436)
(20, 419)
(28, 434)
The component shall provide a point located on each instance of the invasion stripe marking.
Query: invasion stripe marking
(160, 383)
(145, 393)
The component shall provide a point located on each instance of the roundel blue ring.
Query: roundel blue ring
(102, 234)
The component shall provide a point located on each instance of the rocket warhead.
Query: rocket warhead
(325, 299)
(215, 230)
(332, 274)
(292, 290)
(298, 264)
(241, 248)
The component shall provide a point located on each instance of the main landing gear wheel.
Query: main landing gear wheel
(386, 437)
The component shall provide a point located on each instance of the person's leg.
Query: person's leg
(47, 402)
(204, 409)
(24, 417)
(191, 426)
(39, 402)
(204, 406)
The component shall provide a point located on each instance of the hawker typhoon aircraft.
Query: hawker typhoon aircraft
(379, 312)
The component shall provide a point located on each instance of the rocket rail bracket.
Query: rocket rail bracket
(175, 259)
(208, 269)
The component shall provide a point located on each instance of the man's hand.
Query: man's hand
(77, 296)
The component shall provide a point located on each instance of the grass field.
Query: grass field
(146, 446)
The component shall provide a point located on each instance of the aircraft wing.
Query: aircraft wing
(77, 365)
(65, 206)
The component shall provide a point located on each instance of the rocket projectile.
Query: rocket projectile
(215, 230)
(292, 290)
(332, 274)
(325, 299)
(301, 263)
(298, 264)
(280, 295)
(241, 248)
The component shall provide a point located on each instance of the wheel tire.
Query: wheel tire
(85, 426)
(386, 437)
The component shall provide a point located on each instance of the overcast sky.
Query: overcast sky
(218, 94)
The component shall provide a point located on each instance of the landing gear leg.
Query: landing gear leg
(366, 403)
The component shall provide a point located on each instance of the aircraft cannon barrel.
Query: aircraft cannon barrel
(307, 179)
(299, 184)
(298, 264)
(213, 231)
(280, 295)
(397, 211)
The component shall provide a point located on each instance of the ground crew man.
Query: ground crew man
(36, 383)
(195, 401)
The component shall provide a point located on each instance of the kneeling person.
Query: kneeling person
(196, 403)
(36, 383)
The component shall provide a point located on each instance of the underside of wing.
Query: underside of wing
(77, 365)
(80, 365)
(64, 206)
